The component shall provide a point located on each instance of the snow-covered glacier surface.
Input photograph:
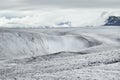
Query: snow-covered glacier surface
(60, 54)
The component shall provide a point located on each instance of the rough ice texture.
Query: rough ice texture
(60, 54)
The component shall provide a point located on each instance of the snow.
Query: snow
(60, 54)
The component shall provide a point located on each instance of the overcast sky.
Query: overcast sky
(56, 4)
(33, 13)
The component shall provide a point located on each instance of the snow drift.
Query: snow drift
(20, 44)
(26, 42)
(60, 53)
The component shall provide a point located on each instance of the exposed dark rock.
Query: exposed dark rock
(113, 21)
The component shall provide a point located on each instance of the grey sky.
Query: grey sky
(41, 4)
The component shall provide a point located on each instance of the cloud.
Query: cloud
(35, 13)
(76, 18)
(48, 4)
(75, 3)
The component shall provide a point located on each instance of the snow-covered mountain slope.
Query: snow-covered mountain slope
(60, 18)
(32, 42)
(21, 43)
(60, 54)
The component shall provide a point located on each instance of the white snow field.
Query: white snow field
(60, 53)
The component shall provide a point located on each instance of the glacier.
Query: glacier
(60, 45)
(32, 43)
(74, 53)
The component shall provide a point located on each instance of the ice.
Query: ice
(60, 53)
